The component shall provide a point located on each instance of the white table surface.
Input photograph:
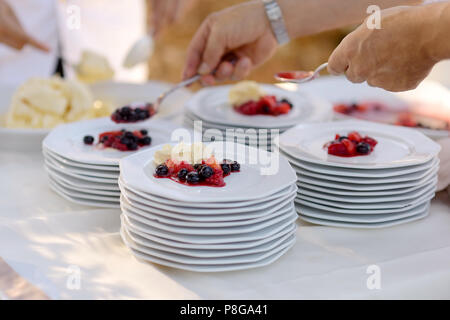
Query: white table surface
(46, 239)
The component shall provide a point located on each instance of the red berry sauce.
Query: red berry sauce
(352, 145)
(266, 105)
(208, 173)
(129, 114)
(122, 140)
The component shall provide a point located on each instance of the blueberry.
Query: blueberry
(198, 166)
(162, 170)
(144, 132)
(363, 148)
(342, 138)
(206, 172)
(182, 174)
(126, 140)
(235, 166)
(145, 141)
(88, 140)
(288, 102)
(126, 111)
(193, 177)
(226, 168)
(128, 134)
(132, 146)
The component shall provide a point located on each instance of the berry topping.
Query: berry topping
(162, 170)
(351, 145)
(206, 172)
(235, 166)
(182, 174)
(129, 114)
(88, 140)
(193, 177)
(363, 148)
(226, 168)
(267, 105)
(123, 140)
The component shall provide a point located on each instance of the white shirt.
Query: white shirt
(38, 18)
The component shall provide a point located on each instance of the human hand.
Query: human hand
(396, 57)
(11, 31)
(244, 30)
(166, 12)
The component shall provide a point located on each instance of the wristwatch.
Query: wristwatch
(275, 16)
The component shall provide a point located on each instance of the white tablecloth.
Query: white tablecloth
(56, 245)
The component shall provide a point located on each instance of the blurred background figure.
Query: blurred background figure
(29, 30)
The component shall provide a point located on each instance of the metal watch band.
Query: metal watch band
(275, 16)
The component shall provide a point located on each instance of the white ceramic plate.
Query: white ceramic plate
(336, 209)
(375, 225)
(211, 246)
(340, 90)
(82, 201)
(212, 239)
(53, 167)
(109, 168)
(72, 188)
(82, 184)
(199, 224)
(83, 195)
(207, 268)
(373, 205)
(189, 230)
(137, 171)
(359, 218)
(364, 187)
(369, 181)
(210, 205)
(362, 173)
(210, 215)
(178, 258)
(211, 104)
(397, 146)
(369, 199)
(67, 140)
(340, 192)
(78, 171)
(209, 253)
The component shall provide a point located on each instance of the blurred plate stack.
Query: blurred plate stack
(392, 185)
(87, 174)
(248, 223)
(210, 112)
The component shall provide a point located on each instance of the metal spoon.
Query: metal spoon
(300, 76)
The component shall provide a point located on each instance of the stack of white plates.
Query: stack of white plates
(392, 185)
(220, 122)
(250, 222)
(86, 174)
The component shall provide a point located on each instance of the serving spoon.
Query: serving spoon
(300, 76)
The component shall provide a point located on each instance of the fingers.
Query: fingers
(338, 63)
(242, 68)
(224, 71)
(37, 44)
(195, 50)
(214, 50)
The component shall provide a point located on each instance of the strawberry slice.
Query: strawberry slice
(354, 136)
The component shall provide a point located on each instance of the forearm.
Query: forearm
(305, 17)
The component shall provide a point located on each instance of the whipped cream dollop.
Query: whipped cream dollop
(48, 102)
(243, 92)
(182, 152)
(93, 67)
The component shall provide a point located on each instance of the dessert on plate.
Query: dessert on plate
(43, 103)
(193, 165)
(248, 98)
(379, 112)
(351, 145)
